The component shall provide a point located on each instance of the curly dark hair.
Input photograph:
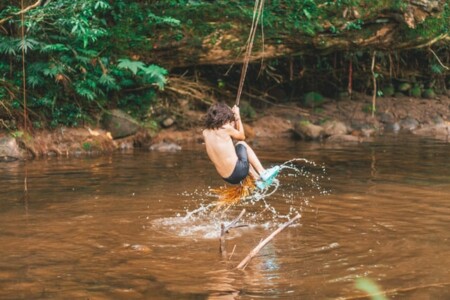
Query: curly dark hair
(218, 115)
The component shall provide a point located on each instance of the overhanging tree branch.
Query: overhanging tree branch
(29, 7)
(22, 11)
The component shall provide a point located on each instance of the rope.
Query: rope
(24, 84)
(257, 10)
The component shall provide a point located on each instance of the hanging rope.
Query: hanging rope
(257, 11)
(24, 78)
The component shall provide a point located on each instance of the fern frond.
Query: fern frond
(86, 93)
(8, 45)
(156, 75)
(109, 82)
(27, 44)
(35, 80)
(52, 70)
(101, 5)
(163, 20)
(54, 48)
(131, 65)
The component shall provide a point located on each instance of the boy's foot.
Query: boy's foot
(260, 184)
(267, 177)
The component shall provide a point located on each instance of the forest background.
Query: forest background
(65, 63)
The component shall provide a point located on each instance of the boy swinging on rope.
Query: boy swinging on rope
(232, 162)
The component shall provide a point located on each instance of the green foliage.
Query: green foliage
(85, 55)
(17, 134)
(437, 69)
(86, 146)
(368, 108)
(388, 90)
(301, 16)
(282, 19)
(354, 25)
(78, 59)
(415, 91)
(152, 74)
(429, 94)
(431, 27)
(313, 99)
(304, 122)
(133, 66)
(404, 86)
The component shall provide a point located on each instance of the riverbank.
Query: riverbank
(344, 121)
(339, 121)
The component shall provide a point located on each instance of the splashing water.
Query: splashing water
(205, 220)
(292, 191)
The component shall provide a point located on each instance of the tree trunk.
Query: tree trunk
(381, 30)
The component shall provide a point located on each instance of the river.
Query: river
(138, 225)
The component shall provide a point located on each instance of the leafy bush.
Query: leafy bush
(76, 63)
(82, 56)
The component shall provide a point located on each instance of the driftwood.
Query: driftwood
(261, 245)
(224, 229)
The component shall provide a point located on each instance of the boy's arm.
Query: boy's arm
(237, 132)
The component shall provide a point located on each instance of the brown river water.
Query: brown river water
(139, 225)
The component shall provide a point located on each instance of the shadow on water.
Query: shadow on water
(142, 225)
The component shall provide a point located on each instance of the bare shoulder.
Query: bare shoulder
(231, 131)
(213, 133)
(228, 127)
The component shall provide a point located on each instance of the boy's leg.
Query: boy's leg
(255, 164)
(253, 173)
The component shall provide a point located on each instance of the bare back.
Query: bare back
(220, 149)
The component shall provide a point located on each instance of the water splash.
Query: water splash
(298, 183)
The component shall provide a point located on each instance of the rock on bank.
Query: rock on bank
(62, 142)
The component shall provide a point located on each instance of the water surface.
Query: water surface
(116, 226)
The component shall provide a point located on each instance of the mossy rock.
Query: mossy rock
(388, 91)
(10, 150)
(404, 87)
(119, 123)
(429, 94)
(313, 99)
(308, 131)
(416, 92)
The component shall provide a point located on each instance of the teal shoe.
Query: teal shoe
(260, 184)
(267, 177)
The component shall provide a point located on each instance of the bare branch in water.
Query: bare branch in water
(261, 245)
(224, 229)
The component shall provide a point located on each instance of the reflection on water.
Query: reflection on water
(122, 227)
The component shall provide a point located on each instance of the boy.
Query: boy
(232, 162)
